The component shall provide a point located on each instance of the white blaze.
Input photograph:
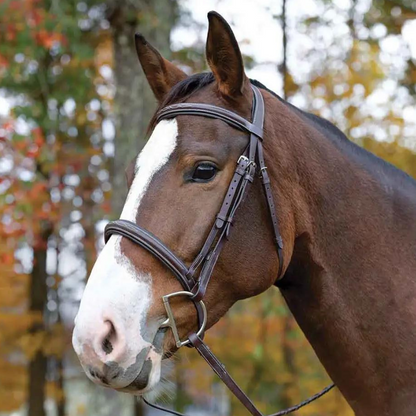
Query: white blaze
(116, 291)
(154, 156)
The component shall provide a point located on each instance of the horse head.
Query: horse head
(177, 185)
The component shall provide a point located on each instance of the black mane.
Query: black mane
(187, 87)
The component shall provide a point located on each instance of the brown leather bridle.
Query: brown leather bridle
(194, 283)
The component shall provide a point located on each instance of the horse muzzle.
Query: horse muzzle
(109, 360)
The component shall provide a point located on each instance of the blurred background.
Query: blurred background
(74, 106)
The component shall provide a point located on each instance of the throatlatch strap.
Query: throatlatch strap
(272, 208)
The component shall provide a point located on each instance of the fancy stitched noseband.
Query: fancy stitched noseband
(195, 278)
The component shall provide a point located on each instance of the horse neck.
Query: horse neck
(351, 279)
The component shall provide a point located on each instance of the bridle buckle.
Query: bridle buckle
(170, 321)
(242, 157)
(248, 161)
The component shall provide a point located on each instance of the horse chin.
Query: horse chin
(148, 377)
(148, 380)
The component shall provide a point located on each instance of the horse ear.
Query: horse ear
(224, 57)
(161, 74)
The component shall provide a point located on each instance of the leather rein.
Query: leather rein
(195, 278)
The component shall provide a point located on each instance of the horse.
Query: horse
(345, 262)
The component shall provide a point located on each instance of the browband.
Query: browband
(211, 111)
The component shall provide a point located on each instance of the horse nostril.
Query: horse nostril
(107, 345)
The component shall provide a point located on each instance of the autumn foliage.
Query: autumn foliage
(56, 63)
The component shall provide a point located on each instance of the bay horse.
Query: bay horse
(345, 264)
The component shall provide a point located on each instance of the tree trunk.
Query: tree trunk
(134, 103)
(61, 403)
(37, 376)
(180, 397)
(60, 364)
(289, 361)
(284, 62)
(38, 297)
(88, 221)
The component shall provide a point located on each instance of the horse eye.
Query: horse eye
(204, 172)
